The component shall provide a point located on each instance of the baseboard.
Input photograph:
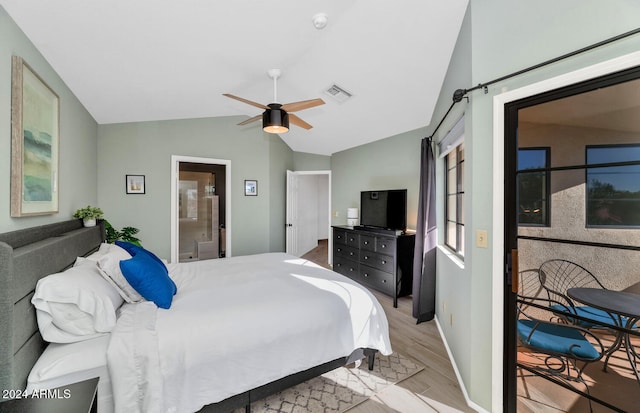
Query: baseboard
(470, 403)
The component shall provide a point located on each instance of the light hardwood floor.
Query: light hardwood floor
(434, 389)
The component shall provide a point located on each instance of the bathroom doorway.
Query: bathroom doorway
(200, 209)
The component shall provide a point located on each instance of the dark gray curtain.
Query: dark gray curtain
(424, 259)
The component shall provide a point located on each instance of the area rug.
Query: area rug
(340, 389)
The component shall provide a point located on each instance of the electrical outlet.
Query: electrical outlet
(451, 320)
(335, 214)
(482, 238)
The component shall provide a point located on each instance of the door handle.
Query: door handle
(514, 271)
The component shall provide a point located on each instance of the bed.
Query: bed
(29, 255)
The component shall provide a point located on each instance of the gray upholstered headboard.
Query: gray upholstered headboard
(26, 256)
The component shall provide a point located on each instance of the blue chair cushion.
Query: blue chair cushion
(594, 314)
(556, 338)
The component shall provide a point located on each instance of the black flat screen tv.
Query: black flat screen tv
(384, 209)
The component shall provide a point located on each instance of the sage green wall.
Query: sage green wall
(500, 37)
(311, 162)
(390, 163)
(145, 148)
(453, 285)
(78, 134)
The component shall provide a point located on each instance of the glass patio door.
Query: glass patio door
(572, 193)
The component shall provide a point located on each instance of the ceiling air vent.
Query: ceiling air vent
(338, 93)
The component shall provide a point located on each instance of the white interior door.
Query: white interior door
(292, 214)
(308, 211)
(307, 216)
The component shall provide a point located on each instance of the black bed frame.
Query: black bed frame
(30, 254)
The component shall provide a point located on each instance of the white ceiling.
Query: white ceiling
(143, 60)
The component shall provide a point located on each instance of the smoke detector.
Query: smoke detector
(338, 93)
(320, 21)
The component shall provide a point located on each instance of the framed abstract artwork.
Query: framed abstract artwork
(35, 120)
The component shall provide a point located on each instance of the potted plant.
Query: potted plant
(89, 215)
(126, 234)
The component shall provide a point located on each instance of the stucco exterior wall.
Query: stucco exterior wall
(616, 268)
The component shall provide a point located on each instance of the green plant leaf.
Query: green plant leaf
(126, 234)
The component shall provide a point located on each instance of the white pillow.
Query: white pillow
(110, 269)
(118, 252)
(75, 305)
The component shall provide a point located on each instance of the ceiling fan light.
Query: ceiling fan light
(275, 121)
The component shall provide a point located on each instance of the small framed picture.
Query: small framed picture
(250, 187)
(135, 184)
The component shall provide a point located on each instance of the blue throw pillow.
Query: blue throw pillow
(149, 279)
(127, 246)
(134, 249)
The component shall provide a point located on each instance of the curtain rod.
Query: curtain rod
(442, 120)
(459, 94)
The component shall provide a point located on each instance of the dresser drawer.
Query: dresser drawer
(385, 244)
(339, 236)
(353, 239)
(380, 261)
(367, 242)
(346, 251)
(346, 267)
(376, 279)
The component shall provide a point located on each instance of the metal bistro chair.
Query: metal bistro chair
(557, 276)
(572, 346)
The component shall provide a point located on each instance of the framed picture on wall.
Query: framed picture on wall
(35, 135)
(251, 187)
(135, 184)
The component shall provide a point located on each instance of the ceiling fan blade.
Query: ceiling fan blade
(299, 122)
(305, 104)
(248, 102)
(253, 119)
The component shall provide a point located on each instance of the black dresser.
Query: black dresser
(379, 260)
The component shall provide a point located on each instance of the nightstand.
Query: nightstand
(78, 397)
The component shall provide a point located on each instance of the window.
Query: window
(533, 186)
(613, 189)
(454, 199)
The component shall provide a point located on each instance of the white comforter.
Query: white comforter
(235, 324)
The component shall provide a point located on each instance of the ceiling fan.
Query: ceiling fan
(276, 117)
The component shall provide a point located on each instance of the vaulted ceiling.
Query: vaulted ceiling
(143, 60)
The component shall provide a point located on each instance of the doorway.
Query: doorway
(572, 193)
(200, 213)
(308, 214)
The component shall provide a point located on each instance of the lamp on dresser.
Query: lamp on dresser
(352, 217)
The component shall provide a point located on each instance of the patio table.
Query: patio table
(624, 308)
